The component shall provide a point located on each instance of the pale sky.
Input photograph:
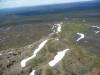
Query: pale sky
(22, 3)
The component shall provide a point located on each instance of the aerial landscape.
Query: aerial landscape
(58, 39)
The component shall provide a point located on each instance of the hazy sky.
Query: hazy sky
(22, 3)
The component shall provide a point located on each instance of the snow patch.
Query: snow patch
(96, 27)
(33, 72)
(0, 54)
(23, 62)
(57, 27)
(57, 39)
(58, 57)
(96, 32)
(81, 36)
(10, 52)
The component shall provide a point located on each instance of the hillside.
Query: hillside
(78, 37)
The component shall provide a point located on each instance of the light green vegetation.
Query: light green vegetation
(82, 58)
(79, 60)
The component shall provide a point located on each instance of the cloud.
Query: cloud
(22, 3)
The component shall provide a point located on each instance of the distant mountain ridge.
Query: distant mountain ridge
(56, 8)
